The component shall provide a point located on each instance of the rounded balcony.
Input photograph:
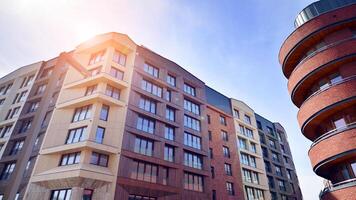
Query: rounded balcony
(332, 57)
(331, 149)
(307, 35)
(343, 190)
(325, 102)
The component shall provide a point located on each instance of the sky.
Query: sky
(230, 45)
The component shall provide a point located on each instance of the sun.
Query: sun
(85, 33)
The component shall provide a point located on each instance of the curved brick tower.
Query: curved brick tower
(319, 60)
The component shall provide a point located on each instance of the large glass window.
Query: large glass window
(17, 146)
(116, 73)
(191, 107)
(99, 159)
(228, 170)
(144, 171)
(242, 144)
(193, 182)
(151, 70)
(70, 159)
(7, 171)
(189, 89)
(147, 105)
(76, 135)
(112, 92)
(90, 90)
(151, 88)
(143, 146)
(193, 160)
(170, 114)
(169, 153)
(82, 113)
(226, 152)
(230, 188)
(64, 194)
(145, 124)
(171, 80)
(191, 122)
(96, 57)
(169, 132)
(119, 58)
(33, 106)
(192, 140)
(224, 136)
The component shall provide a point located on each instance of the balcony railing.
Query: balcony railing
(338, 186)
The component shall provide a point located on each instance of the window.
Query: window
(224, 136)
(279, 136)
(244, 159)
(169, 153)
(104, 112)
(268, 166)
(145, 124)
(22, 96)
(139, 197)
(82, 113)
(191, 107)
(171, 80)
(151, 70)
(169, 132)
(211, 155)
(70, 159)
(144, 171)
(90, 90)
(46, 72)
(247, 119)
(214, 195)
(272, 143)
(278, 170)
(2, 102)
(112, 92)
(255, 177)
(259, 125)
(119, 58)
(99, 159)
(99, 137)
(143, 146)
(242, 144)
(7, 171)
(289, 174)
(253, 161)
(192, 140)
(236, 113)
(264, 152)
(248, 160)
(151, 88)
(212, 170)
(193, 182)
(40, 89)
(253, 147)
(4, 90)
(227, 168)
(283, 149)
(169, 95)
(147, 105)
(254, 193)
(248, 133)
(14, 101)
(223, 120)
(191, 122)
(170, 114)
(340, 123)
(64, 194)
(275, 156)
(16, 147)
(230, 188)
(5, 131)
(25, 125)
(285, 159)
(87, 194)
(262, 138)
(193, 160)
(96, 57)
(29, 80)
(95, 71)
(246, 174)
(33, 106)
(209, 120)
(226, 152)
(210, 135)
(12, 113)
(281, 185)
(270, 130)
(189, 89)
(165, 173)
(270, 181)
(116, 73)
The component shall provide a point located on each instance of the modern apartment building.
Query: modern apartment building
(318, 59)
(281, 174)
(249, 151)
(225, 165)
(114, 120)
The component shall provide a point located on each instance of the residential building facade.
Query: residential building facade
(281, 173)
(115, 120)
(249, 151)
(318, 59)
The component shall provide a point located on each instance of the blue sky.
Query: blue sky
(231, 45)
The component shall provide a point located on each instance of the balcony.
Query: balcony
(342, 190)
